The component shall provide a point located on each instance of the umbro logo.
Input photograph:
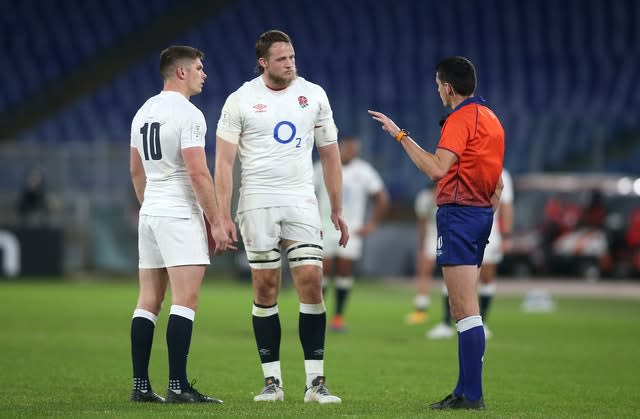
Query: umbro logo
(260, 107)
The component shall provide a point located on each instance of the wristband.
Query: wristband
(401, 134)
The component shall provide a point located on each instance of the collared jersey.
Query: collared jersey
(359, 181)
(474, 134)
(274, 131)
(162, 127)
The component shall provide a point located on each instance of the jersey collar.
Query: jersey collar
(473, 99)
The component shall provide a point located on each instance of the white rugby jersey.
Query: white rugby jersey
(425, 207)
(506, 197)
(274, 131)
(359, 181)
(162, 127)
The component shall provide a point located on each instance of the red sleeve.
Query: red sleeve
(454, 135)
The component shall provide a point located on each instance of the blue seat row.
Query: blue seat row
(557, 73)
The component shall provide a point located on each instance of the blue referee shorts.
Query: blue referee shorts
(463, 234)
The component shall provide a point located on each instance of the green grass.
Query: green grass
(64, 352)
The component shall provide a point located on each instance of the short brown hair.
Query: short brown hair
(264, 43)
(170, 57)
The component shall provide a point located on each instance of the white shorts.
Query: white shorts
(168, 241)
(493, 252)
(331, 237)
(431, 243)
(262, 229)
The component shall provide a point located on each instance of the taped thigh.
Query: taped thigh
(269, 259)
(304, 254)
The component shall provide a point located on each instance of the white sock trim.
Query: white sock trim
(183, 311)
(487, 289)
(139, 312)
(312, 308)
(422, 301)
(264, 311)
(468, 323)
(344, 282)
(313, 368)
(272, 369)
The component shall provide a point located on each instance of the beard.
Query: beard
(281, 81)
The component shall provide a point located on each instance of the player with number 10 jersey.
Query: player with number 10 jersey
(181, 124)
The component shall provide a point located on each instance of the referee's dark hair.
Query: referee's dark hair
(459, 72)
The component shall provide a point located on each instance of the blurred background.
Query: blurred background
(560, 74)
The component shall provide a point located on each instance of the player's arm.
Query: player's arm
(332, 172)
(195, 161)
(225, 158)
(433, 165)
(381, 204)
(495, 198)
(138, 178)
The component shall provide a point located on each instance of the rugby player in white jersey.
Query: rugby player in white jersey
(425, 208)
(272, 123)
(360, 183)
(174, 187)
(499, 243)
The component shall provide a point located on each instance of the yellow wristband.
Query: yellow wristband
(401, 134)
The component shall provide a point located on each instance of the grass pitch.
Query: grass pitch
(64, 352)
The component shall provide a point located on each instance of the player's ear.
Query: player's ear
(262, 62)
(180, 72)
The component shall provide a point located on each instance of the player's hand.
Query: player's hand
(387, 123)
(230, 228)
(341, 225)
(222, 241)
(507, 244)
(366, 229)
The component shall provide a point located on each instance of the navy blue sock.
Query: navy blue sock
(267, 331)
(341, 299)
(471, 350)
(459, 390)
(142, 328)
(447, 310)
(485, 302)
(312, 327)
(179, 330)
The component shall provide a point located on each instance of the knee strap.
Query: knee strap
(305, 254)
(269, 259)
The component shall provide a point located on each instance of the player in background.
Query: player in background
(272, 123)
(466, 165)
(425, 208)
(174, 187)
(499, 243)
(360, 183)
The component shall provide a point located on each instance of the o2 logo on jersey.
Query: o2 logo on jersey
(284, 128)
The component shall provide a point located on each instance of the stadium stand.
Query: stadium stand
(557, 74)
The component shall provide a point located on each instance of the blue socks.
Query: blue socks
(471, 345)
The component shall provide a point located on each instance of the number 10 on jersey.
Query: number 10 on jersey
(151, 140)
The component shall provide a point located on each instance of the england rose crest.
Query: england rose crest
(302, 100)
